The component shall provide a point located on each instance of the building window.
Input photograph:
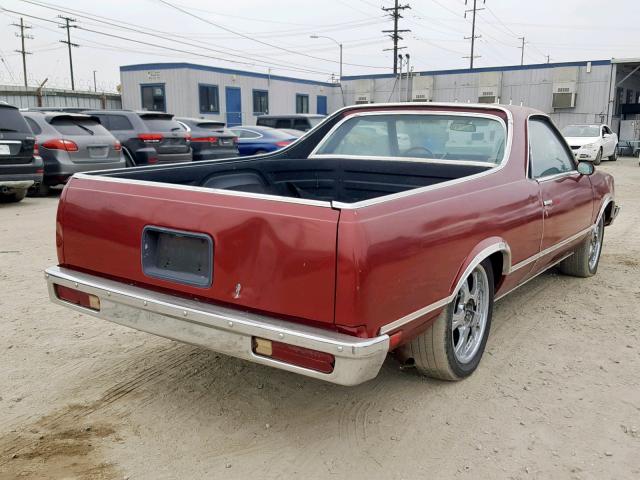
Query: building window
(260, 102)
(302, 103)
(153, 98)
(209, 100)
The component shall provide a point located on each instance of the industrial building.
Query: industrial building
(605, 91)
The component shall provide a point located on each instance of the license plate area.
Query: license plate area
(5, 150)
(177, 256)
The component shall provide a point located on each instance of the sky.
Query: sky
(275, 36)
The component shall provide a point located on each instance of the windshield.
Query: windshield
(581, 131)
(440, 137)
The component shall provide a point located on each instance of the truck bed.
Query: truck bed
(339, 179)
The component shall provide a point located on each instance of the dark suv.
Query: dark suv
(299, 121)
(209, 139)
(147, 138)
(20, 165)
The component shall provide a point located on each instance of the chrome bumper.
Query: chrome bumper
(221, 329)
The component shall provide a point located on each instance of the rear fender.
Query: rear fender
(478, 254)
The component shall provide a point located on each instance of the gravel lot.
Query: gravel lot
(557, 394)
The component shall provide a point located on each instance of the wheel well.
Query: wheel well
(608, 210)
(497, 264)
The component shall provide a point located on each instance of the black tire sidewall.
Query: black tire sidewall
(462, 370)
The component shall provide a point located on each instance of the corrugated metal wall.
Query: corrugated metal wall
(181, 91)
(25, 98)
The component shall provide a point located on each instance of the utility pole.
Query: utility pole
(395, 33)
(69, 26)
(548, 58)
(522, 52)
(24, 53)
(95, 85)
(473, 36)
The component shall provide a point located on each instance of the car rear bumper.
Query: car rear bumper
(56, 173)
(215, 154)
(222, 329)
(19, 181)
(174, 157)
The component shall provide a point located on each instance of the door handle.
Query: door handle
(547, 203)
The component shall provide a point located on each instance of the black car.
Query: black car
(298, 121)
(147, 138)
(209, 139)
(70, 143)
(21, 167)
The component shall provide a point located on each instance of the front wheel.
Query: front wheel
(614, 157)
(598, 158)
(452, 348)
(585, 259)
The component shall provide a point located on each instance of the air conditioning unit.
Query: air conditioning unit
(565, 84)
(364, 91)
(489, 87)
(422, 89)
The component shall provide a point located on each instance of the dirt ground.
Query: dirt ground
(557, 394)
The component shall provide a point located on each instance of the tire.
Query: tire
(434, 351)
(598, 158)
(584, 261)
(42, 190)
(614, 157)
(14, 197)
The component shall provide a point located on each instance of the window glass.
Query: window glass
(209, 100)
(581, 131)
(77, 126)
(548, 154)
(161, 124)
(266, 122)
(301, 124)
(119, 122)
(35, 128)
(245, 133)
(440, 137)
(11, 120)
(283, 123)
(153, 98)
(260, 102)
(302, 103)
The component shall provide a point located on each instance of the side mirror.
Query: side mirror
(586, 168)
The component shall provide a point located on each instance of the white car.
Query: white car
(592, 142)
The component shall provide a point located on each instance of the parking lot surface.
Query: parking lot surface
(557, 394)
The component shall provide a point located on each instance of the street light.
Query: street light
(339, 45)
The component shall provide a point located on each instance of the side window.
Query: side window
(283, 123)
(547, 153)
(35, 128)
(266, 122)
(153, 98)
(301, 124)
(118, 122)
(607, 130)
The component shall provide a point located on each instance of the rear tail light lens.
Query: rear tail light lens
(77, 297)
(150, 137)
(117, 146)
(61, 144)
(284, 143)
(235, 139)
(300, 356)
(205, 139)
(188, 137)
(151, 160)
(36, 149)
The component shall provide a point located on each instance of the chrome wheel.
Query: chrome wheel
(595, 245)
(469, 319)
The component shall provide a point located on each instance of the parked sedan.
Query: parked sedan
(592, 142)
(209, 139)
(70, 143)
(255, 140)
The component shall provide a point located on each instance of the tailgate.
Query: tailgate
(241, 249)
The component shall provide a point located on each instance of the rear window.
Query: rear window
(78, 126)
(429, 136)
(211, 125)
(11, 120)
(119, 122)
(161, 124)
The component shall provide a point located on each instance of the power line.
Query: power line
(473, 36)
(395, 33)
(69, 25)
(22, 51)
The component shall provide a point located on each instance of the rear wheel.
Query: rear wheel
(13, 197)
(598, 158)
(452, 348)
(584, 261)
(614, 157)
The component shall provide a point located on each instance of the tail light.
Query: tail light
(77, 297)
(150, 137)
(152, 160)
(235, 140)
(61, 144)
(205, 139)
(36, 149)
(283, 143)
(188, 137)
(117, 146)
(300, 356)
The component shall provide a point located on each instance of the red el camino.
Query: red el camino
(385, 228)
